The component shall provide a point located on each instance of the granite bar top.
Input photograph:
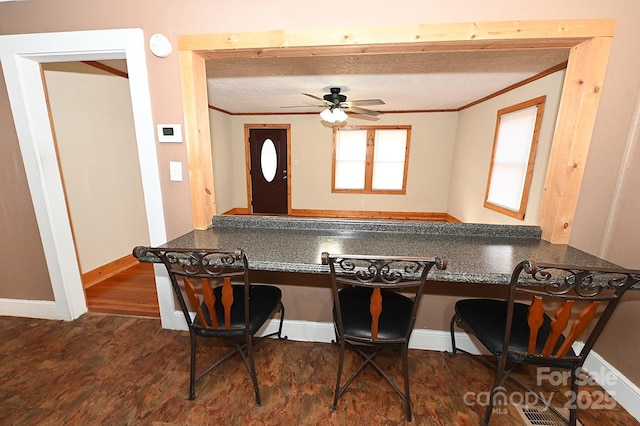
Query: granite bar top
(397, 226)
(475, 253)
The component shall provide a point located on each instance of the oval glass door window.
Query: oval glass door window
(268, 160)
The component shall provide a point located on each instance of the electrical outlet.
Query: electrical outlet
(175, 171)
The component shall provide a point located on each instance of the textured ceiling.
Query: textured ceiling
(405, 82)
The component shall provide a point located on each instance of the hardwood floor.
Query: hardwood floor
(131, 292)
(125, 369)
(116, 370)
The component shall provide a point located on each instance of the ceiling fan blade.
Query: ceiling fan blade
(358, 110)
(366, 102)
(314, 97)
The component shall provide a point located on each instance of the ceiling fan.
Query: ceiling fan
(336, 104)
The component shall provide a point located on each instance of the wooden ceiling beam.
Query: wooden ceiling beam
(461, 36)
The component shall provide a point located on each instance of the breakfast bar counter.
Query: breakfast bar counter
(476, 253)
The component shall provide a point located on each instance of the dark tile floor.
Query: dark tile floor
(116, 370)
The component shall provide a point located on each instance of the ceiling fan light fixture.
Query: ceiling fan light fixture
(327, 115)
(339, 115)
(335, 115)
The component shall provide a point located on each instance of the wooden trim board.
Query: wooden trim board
(361, 214)
(104, 272)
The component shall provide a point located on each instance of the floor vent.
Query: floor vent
(535, 416)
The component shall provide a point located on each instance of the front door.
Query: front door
(268, 170)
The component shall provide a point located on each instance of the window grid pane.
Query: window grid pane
(351, 154)
(515, 135)
(388, 159)
(511, 158)
(388, 176)
(350, 175)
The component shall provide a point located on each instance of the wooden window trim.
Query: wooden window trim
(368, 177)
(539, 102)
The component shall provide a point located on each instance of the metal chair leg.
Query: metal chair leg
(281, 321)
(192, 373)
(340, 365)
(502, 373)
(250, 364)
(573, 411)
(405, 362)
(454, 350)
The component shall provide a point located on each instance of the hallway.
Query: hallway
(131, 292)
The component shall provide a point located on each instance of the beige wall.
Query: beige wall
(597, 229)
(430, 157)
(449, 159)
(93, 123)
(474, 144)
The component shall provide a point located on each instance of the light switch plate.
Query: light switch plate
(175, 171)
(169, 133)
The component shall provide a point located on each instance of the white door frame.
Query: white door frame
(21, 56)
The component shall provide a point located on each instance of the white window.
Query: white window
(389, 156)
(350, 159)
(371, 159)
(514, 151)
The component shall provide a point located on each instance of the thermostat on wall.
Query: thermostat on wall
(169, 133)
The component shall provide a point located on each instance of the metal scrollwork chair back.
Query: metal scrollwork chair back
(370, 313)
(550, 307)
(214, 283)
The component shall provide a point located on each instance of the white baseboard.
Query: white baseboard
(311, 331)
(41, 309)
(625, 392)
(302, 331)
(433, 340)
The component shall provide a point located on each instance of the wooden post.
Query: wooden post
(576, 117)
(198, 138)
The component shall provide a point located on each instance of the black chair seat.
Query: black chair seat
(263, 300)
(394, 321)
(486, 319)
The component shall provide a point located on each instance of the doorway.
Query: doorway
(268, 166)
(21, 56)
(92, 123)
